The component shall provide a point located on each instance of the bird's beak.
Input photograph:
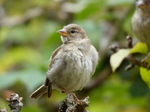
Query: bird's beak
(63, 32)
(141, 4)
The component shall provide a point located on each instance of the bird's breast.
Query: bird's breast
(141, 28)
(77, 71)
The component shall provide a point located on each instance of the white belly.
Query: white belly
(77, 74)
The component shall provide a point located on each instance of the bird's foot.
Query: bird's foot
(74, 96)
(68, 92)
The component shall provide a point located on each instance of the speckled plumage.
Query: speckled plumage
(141, 21)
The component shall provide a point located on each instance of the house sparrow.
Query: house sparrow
(141, 21)
(72, 64)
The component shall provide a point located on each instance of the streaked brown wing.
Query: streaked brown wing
(47, 83)
(53, 55)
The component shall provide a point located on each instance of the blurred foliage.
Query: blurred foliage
(117, 58)
(28, 36)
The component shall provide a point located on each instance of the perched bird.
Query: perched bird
(72, 64)
(141, 21)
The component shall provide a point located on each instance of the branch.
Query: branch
(73, 104)
(131, 58)
(15, 103)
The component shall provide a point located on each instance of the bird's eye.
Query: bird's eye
(72, 31)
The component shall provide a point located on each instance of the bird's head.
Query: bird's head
(143, 4)
(72, 32)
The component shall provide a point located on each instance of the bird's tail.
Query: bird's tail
(39, 92)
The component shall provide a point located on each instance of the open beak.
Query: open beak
(63, 32)
(141, 4)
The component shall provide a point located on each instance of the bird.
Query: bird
(71, 65)
(141, 21)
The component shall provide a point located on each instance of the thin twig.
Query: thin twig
(131, 58)
(130, 42)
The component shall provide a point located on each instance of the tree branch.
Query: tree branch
(15, 103)
(73, 104)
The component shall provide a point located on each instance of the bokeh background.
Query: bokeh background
(28, 36)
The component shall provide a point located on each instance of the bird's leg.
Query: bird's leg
(63, 90)
(75, 97)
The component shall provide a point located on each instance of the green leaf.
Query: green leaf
(117, 58)
(139, 48)
(145, 74)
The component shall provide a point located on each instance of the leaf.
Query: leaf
(139, 48)
(117, 58)
(145, 74)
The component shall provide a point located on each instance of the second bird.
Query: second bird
(141, 21)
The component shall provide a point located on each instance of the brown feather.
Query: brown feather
(39, 92)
